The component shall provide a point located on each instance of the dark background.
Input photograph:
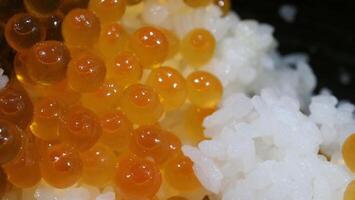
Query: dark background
(323, 29)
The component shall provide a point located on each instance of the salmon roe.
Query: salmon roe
(10, 141)
(24, 170)
(108, 10)
(151, 46)
(47, 115)
(137, 178)
(86, 72)
(23, 31)
(349, 193)
(98, 165)
(198, 47)
(116, 130)
(42, 8)
(81, 27)
(179, 174)
(204, 89)
(348, 151)
(80, 128)
(141, 104)
(61, 165)
(170, 85)
(113, 39)
(47, 62)
(125, 69)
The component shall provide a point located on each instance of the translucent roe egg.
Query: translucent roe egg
(61, 166)
(113, 39)
(80, 128)
(150, 142)
(176, 198)
(116, 130)
(47, 62)
(349, 193)
(53, 26)
(225, 5)
(23, 31)
(348, 151)
(63, 93)
(10, 141)
(151, 46)
(108, 10)
(141, 104)
(197, 3)
(193, 122)
(47, 114)
(136, 178)
(170, 85)
(98, 165)
(81, 27)
(40, 7)
(86, 73)
(204, 89)
(108, 94)
(174, 144)
(125, 69)
(24, 171)
(180, 175)
(198, 47)
(15, 105)
(133, 2)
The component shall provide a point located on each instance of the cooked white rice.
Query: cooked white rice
(262, 147)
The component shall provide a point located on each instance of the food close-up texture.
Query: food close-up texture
(162, 100)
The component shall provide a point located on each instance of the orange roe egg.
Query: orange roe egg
(86, 73)
(108, 10)
(150, 142)
(224, 5)
(24, 171)
(47, 62)
(116, 130)
(80, 128)
(15, 105)
(348, 151)
(136, 178)
(81, 27)
(170, 85)
(197, 3)
(204, 89)
(23, 31)
(61, 166)
(349, 193)
(108, 94)
(113, 39)
(198, 47)
(47, 114)
(40, 7)
(98, 166)
(125, 69)
(193, 120)
(10, 141)
(151, 46)
(141, 104)
(133, 2)
(180, 175)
